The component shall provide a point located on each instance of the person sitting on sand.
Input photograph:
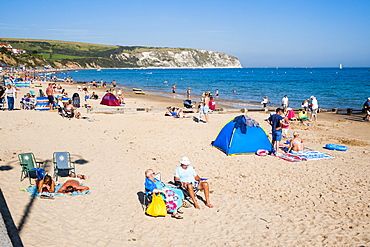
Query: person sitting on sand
(189, 180)
(296, 145)
(46, 184)
(173, 197)
(94, 96)
(72, 184)
(70, 108)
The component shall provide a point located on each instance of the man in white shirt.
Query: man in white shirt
(186, 175)
(315, 108)
(285, 102)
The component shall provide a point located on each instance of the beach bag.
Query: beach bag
(40, 173)
(157, 207)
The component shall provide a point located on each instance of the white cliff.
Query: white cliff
(176, 58)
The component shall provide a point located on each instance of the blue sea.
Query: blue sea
(333, 87)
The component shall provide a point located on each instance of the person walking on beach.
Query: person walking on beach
(174, 88)
(285, 102)
(114, 83)
(188, 93)
(204, 107)
(50, 95)
(276, 122)
(315, 108)
(216, 92)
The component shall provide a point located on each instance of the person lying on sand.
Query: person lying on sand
(174, 112)
(72, 184)
(187, 177)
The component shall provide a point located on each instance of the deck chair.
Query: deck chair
(28, 164)
(63, 165)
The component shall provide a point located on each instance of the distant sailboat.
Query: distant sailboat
(98, 70)
(340, 66)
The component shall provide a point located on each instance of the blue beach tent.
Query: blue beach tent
(242, 135)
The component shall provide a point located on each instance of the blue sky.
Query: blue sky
(261, 33)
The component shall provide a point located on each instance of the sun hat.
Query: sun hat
(368, 98)
(312, 97)
(185, 161)
(296, 133)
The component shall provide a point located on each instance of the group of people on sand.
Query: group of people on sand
(312, 106)
(73, 183)
(185, 180)
(279, 121)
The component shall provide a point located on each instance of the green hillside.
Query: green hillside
(65, 54)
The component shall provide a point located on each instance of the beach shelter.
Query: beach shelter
(109, 99)
(242, 135)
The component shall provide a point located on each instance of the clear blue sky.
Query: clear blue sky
(261, 33)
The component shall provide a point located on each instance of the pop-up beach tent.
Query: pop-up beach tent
(109, 99)
(242, 135)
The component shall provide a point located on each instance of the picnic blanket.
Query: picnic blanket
(304, 156)
(33, 190)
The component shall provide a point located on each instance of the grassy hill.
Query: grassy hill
(65, 54)
(82, 53)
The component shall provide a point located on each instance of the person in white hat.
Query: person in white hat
(186, 175)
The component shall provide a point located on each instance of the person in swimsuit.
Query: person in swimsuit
(188, 93)
(296, 145)
(72, 184)
(46, 185)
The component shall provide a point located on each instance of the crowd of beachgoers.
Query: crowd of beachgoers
(245, 199)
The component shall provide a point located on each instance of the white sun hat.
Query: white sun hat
(185, 161)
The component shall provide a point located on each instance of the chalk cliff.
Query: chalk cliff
(178, 59)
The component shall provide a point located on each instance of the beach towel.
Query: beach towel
(304, 156)
(33, 190)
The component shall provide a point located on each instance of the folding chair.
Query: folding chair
(28, 163)
(62, 164)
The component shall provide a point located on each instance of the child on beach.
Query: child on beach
(285, 127)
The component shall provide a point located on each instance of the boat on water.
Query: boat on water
(98, 70)
(340, 66)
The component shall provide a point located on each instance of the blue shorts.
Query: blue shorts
(276, 136)
(205, 109)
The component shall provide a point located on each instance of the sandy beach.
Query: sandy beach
(258, 201)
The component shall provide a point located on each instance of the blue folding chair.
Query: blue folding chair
(63, 165)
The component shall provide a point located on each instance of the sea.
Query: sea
(245, 87)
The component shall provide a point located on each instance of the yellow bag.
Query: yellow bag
(157, 207)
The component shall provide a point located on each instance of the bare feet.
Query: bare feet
(196, 205)
(209, 205)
